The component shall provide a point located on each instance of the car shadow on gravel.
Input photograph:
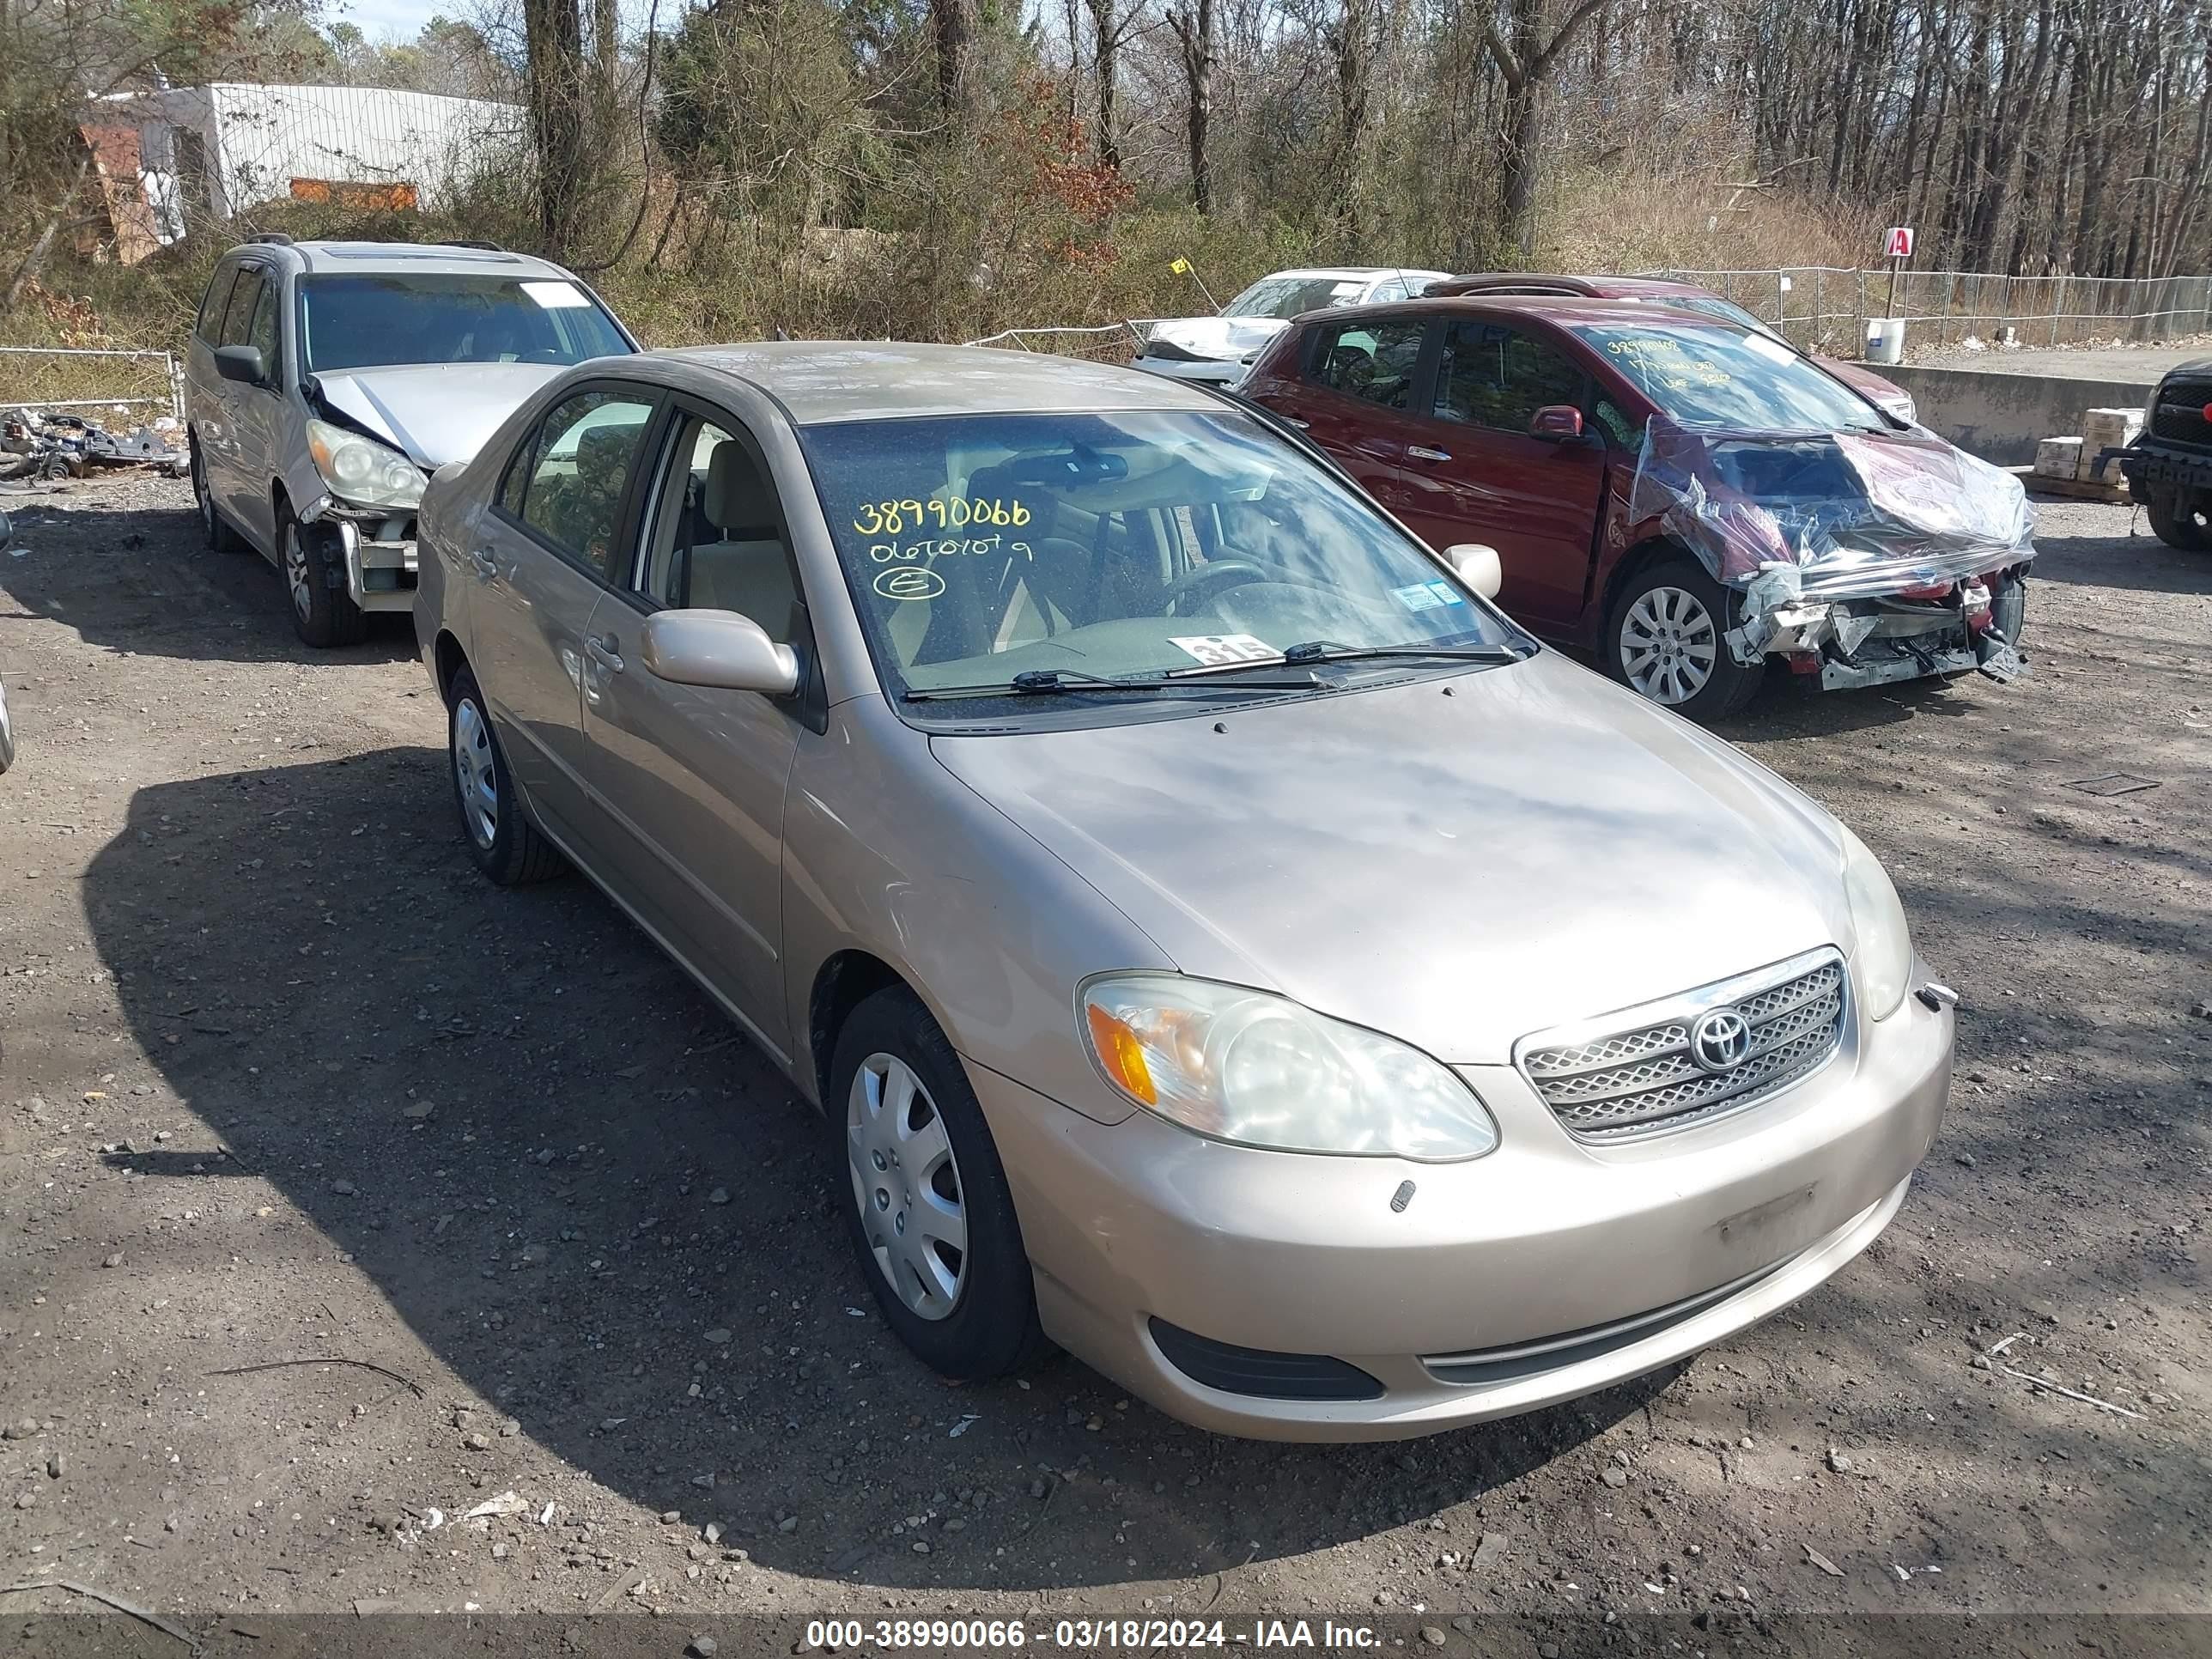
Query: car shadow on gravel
(2140, 562)
(597, 1207)
(168, 595)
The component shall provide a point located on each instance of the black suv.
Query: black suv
(2169, 468)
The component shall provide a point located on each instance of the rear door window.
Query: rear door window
(580, 473)
(208, 327)
(238, 316)
(1374, 361)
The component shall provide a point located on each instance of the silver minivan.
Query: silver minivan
(324, 381)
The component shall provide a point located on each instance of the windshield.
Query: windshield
(1123, 545)
(1710, 305)
(380, 321)
(1706, 376)
(1292, 296)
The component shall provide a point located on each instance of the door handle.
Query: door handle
(1422, 453)
(603, 654)
(487, 567)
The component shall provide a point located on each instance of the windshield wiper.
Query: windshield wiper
(1070, 682)
(1330, 651)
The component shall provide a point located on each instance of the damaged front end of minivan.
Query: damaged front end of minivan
(1859, 559)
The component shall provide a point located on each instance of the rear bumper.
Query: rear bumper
(1548, 1270)
(2148, 465)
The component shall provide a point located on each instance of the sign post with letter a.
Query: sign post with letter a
(1897, 248)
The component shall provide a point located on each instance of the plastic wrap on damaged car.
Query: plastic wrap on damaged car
(1830, 515)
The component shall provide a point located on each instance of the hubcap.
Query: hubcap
(473, 770)
(200, 491)
(906, 1186)
(295, 572)
(1668, 645)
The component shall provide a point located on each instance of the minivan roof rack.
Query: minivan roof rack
(273, 238)
(489, 247)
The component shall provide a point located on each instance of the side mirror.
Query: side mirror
(1561, 422)
(721, 649)
(240, 363)
(1477, 565)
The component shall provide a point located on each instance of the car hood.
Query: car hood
(434, 412)
(1230, 339)
(1860, 378)
(1537, 848)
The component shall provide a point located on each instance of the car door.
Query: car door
(692, 777)
(203, 387)
(226, 460)
(540, 560)
(1359, 382)
(1485, 478)
(257, 416)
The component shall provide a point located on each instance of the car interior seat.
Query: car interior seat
(748, 570)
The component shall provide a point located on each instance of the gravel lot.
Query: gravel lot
(285, 1079)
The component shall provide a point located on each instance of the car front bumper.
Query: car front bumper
(379, 571)
(2148, 465)
(1550, 1269)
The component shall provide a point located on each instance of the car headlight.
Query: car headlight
(1882, 954)
(1904, 409)
(362, 470)
(1242, 1065)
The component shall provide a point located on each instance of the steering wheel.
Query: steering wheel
(1220, 572)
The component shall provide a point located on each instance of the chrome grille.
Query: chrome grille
(1642, 1079)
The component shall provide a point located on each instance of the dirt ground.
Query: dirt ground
(284, 1078)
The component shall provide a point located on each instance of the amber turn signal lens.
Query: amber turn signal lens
(1121, 1055)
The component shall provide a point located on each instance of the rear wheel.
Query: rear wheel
(502, 841)
(1664, 641)
(2182, 519)
(925, 1200)
(314, 576)
(219, 537)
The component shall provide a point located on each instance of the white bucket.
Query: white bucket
(1885, 340)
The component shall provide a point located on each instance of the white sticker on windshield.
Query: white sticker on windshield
(1428, 596)
(557, 296)
(1217, 649)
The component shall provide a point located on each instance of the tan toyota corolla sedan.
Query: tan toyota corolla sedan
(1220, 943)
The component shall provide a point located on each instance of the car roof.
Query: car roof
(1346, 273)
(1597, 287)
(823, 382)
(1569, 310)
(430, 258)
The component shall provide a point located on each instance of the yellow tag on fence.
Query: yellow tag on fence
(1181, 267)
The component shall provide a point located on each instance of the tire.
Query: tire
(500, 836)
(323, 612)
(970, 1320)
(219, 537)
(1663, 626)
(2182, 520)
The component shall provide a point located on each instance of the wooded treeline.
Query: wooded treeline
(884, 165)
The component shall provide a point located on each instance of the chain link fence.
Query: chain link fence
(81, 380)
(1817, 305)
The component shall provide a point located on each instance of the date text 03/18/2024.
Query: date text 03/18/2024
(1092, 1635)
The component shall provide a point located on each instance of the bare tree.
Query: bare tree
(1526, 59)
(1192, 24)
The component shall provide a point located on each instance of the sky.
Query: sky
(378, 18)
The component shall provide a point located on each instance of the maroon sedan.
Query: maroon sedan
(1894, 398)
(1686, 498)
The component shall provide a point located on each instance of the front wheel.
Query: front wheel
(2182, 519)
(323, 612)
(925, 1200)
(1664, 641)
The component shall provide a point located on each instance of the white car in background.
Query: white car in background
(1218, 349)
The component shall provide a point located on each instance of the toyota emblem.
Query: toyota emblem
(1720, 1041)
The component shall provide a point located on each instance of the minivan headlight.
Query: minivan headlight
(362, 470)
(1881, 955)
(1242, 1065)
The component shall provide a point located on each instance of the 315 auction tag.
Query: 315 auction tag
(1215, 650)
